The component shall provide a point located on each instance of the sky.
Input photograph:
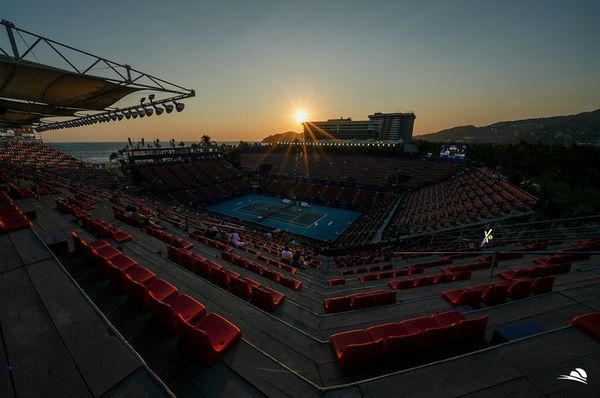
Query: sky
(253, 63)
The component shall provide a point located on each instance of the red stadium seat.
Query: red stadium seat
(291, 283)
(385, 298)
(202, 267)
(160, 291)
(588, 323)
(173, 253)
(208, 339)
(542, 285)
(360, 301)
(354, 349)
(437, 338)
(448, 318)
(242, 287)
(401, 347)
(138, 278)
(401, 284)
(266, 298)
(520, 288)
(460, 297)
(385, 330)
(117, 268)
(186, 259)
(182, 307)
(337, 304)
(494, 294)
(220, 277)
(419, 324)
(471, 330)
(443, 278)
(424, 281)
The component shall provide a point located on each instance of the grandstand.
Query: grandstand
(144, 281)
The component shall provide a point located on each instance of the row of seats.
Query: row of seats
(405, 340)
(373, 268)
(498, 292)
(276, 263)
(258, 269)
(359, 301)
(104, 229)
(169, 238)
(11, 216)
(336, 282)
(245, 288)
(410, 270)
(209, 242)
(205, 337)
(535, 271)
(429, 280)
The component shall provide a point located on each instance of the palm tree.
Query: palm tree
(206, 140)
(181, 144)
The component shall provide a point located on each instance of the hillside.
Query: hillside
(582, 128)
(287, 136)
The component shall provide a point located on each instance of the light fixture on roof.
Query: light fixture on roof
(113, 116)
(149, 111)
(168, 107)
(134, 113)
(142, 112)
(127, 114)
(179, 106)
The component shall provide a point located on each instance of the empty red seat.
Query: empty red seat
(385, 298)
(120, 236)
(520, 288)
(419, 324)
(385, 330)
(460, 297)
(461, 275)
(186, 259)
(494, 294)
(360, 301)
(337, 304)
(542, 285)
(117, 268)
(515, 273)
(437, 338)
(355, 349)
(448, 318)
(103, 255)
(402, 346)
(160, 291)
(291, 283)
(443, 278)
(242, 287)
(272, 275)
(401, 284)
(182, 307)
(424, 281)
(588, 323)
(173, 253)
(202, 267)
(368, 277)
(220, 277)
(138, 278)
(471, 330)
(266, 298)
(208, 339)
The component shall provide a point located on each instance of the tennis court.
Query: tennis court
(317, 222)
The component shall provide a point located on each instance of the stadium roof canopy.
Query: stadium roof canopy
(83, 92)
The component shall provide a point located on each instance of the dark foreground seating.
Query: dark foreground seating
(589, 324)
(206, 338)
(359, 301)
(407, 340)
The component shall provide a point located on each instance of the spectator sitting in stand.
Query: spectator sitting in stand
(286, 254)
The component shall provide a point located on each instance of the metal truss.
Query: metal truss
(114, 72)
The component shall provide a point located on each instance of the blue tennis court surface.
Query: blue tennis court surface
(317, 222)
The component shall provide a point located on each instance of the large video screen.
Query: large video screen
(453, 151)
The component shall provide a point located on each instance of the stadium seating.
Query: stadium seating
(498, 292)
(359, 301)
(408, 339)
(206, 338)
(12, 218)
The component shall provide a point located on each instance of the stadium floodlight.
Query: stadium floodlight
(179, 106)
(142, 112)
(127, 114)
(159, 111)
(168, 107)
(119, 116)
(149, 111)
(113, 116)
(134, 113)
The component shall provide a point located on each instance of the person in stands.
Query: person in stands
(298, 260)
(234, 239)
(286, 254)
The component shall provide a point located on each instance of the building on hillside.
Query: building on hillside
(396, 127)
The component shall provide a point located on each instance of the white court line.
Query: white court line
(330, 222)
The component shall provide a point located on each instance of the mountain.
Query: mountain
(287, 136)
(582, 128)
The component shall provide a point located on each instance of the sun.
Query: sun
(300, 116)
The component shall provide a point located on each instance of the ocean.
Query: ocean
(98, 152)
